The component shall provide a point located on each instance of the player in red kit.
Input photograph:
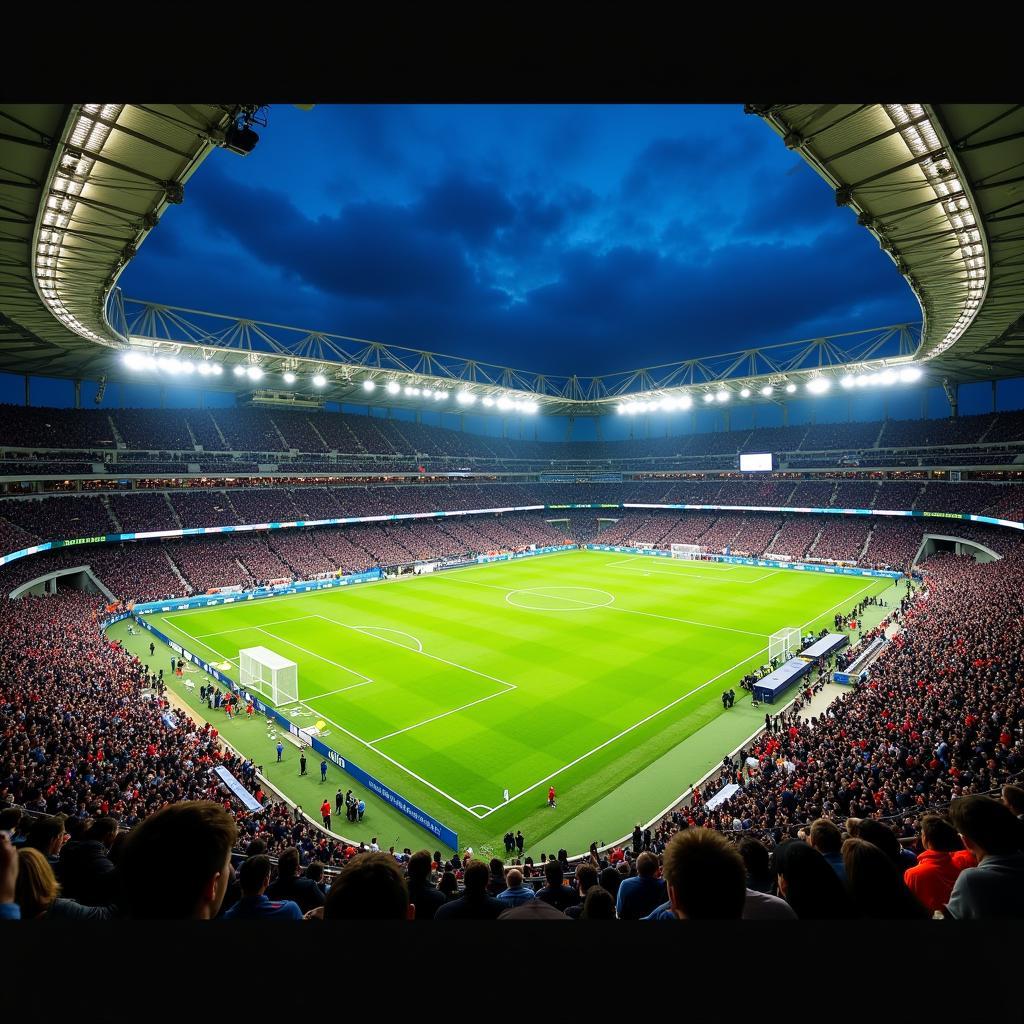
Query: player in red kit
(551, 797)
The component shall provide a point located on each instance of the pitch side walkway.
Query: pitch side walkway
(650, 791)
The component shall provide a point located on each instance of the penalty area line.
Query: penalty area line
(625, 732)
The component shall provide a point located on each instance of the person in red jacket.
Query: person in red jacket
(931, 880)
(325, 810)
(551, 797)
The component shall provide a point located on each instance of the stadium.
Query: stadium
(377, 631)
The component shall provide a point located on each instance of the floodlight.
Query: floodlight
(819, 385)
(504, 403)
(394, 387)
(887, 377)
(239, 370)
(217, 369)
(722, 396)
(368, 385)
(288, 377)
(205, 369)
(465, 398)
(530, 407)
(709, 397)
(686, 402)
(488, 401)
(186, 367)
(745, 393)
(790, 388)
(319, 380)
(848, 381)
(909, 374)
(254, 373)
(767, 390)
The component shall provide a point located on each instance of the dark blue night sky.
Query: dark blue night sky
(557, 239)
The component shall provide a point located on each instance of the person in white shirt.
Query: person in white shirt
(374, 848)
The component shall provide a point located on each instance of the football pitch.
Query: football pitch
(579, 670)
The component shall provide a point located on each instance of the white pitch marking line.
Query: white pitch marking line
(444, 714)
(400, 632)
(628, 730)
(586, 605)
(697, 575)
(433, 657)
(240, 629)
(397, 764)
(627, 611)
(344, 668)
(654, 560)
(331, 693)
(838, 603)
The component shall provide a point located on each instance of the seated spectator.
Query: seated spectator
(289, 886)
(38, 894)
(47, 835)
(516, 893)
(255, 905)
(448, 886)
(758, 863)
(638, 896)
(598, 905)
(995, 888)
(556, 893)
(371, 887)
(175, 865)
(875, 884)
(86, 870)
(532, 910)
(474, 904)
(931, 880)
(808, 884)
(705, 876)
(884, 838)
(422, 895)
(497, 882)
(586, 876)
(610, 879)
(826, 838)
(1013, 797)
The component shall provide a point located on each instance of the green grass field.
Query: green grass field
(583, 670)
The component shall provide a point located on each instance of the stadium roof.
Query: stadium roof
(83, 185)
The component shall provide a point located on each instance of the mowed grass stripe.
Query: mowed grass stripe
(581, 677)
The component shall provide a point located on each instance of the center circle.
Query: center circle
(567, 599)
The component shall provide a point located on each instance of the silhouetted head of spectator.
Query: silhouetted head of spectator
(175, 864)
(371, 887)
(497, 868)
(254, 875)
(610, 880)
(876, 885)
(825, 836)
(757, 861)
(449, 884)
(881, 836)
(553, 873)
(103, 831)
(599, 905)
(808, 884)
(10, 819)
(288, 863)
(705, 874)
(475, 878)
(419, 867)
(988, 827)
(315, 872)
(1013, 797)
(36, 887)
(255, 848)
(586, 876)
(647, 864)
(937, 833)
(47, 835)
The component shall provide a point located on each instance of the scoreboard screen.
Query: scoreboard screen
(760, 462)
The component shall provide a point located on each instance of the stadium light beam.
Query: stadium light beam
(319, 380)
(368, 385)
(288, 377)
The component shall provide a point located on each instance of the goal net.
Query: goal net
(269, 674)
(784, 643)
(687, 551)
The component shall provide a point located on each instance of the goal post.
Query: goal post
(690, 552)
(269, 674)
(783, 643)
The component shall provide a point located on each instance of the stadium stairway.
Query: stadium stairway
(174, 514)
(110, 513)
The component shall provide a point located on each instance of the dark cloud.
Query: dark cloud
(702, 242)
